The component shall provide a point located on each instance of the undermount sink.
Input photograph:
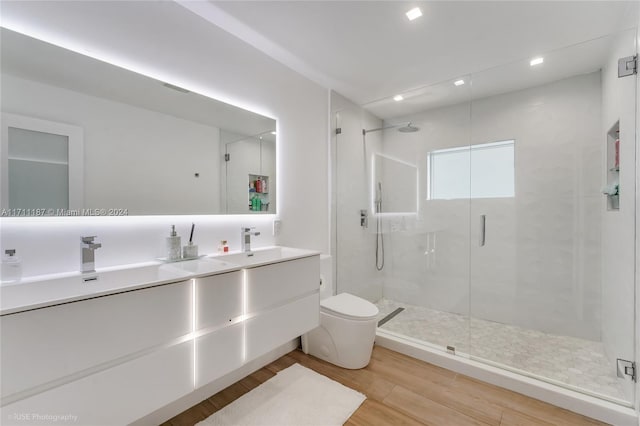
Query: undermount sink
(44, 291)
(262, 256)
(138, 275)
(204, 265)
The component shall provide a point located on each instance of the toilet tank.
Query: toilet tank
(326, 277)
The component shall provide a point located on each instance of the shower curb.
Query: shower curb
(586, 405)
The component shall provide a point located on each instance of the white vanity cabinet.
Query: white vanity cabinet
(116, 358)
(219, 310)
(245, 314)
(51, 343)
(108, 359)
(116, 396)
(283, 302)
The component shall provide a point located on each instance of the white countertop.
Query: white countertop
(48, 290)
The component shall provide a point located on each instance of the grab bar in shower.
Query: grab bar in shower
(483, 229)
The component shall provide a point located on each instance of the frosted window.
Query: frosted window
(478, 171)
(38, 169)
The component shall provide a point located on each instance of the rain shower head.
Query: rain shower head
(408, 128)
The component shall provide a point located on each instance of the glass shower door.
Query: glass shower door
(551, 256)
(421, 179)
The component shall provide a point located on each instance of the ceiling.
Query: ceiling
(369, 51)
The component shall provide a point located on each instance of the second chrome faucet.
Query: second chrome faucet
(245, 238)
(88, 263)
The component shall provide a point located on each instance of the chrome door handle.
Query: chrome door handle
(483, 229)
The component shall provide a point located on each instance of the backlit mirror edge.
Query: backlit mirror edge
(126, 64)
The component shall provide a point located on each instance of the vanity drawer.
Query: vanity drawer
(50, 343)
(117, 396)
(219, 353)
(268, 286)
(276, 327)
(219, 299)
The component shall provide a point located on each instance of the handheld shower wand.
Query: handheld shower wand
(379, 236)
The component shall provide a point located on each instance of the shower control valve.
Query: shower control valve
(364, 218)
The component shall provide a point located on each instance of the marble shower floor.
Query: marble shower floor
(569, 360)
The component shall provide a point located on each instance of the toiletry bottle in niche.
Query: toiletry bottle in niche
(265, 187)
(258, 185)
(258, 204)
(173, 245)
(11, 267)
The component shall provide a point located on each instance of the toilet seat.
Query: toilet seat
(349, 307)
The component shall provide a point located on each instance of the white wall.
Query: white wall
(354, 247)
(174, 45)
(153, 155)
(540, 267)
(618, 239)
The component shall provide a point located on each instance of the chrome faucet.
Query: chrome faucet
(245, 238)
(88, 254)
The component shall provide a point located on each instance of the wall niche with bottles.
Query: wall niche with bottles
(258, 193)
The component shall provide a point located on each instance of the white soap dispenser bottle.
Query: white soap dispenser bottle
(11, 267)
(174, 247)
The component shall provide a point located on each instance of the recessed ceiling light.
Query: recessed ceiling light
(458, 82)
(398, 98)
(273, 133)
(414, 13)
(536, 61)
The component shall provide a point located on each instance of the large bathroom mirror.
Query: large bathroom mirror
(84, 137)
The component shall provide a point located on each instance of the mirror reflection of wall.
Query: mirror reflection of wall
(149, 147)
(248, 160)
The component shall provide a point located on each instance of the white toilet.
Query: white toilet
(347, 326)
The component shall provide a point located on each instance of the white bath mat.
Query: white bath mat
(296, 396)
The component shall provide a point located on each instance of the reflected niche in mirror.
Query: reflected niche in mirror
(84, 137)
(250, 172)
(395, 185)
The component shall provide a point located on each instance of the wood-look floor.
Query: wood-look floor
(401, 390)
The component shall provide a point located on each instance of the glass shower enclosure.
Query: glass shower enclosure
(503, 230)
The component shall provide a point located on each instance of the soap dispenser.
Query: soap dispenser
(174, 247)
(11, 267)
